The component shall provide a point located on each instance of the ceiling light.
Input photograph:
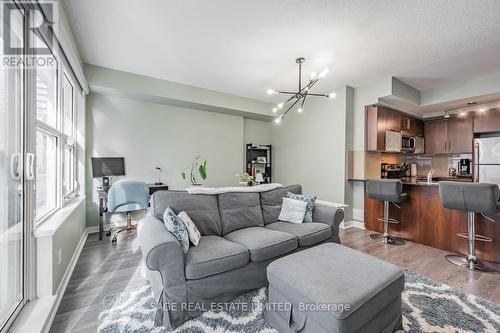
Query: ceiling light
(463, 114)
(302, 93)
(324, 72)
(446, 114)
(472, 103)
(482, 109)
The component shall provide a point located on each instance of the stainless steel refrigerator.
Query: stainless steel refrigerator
(487, 160)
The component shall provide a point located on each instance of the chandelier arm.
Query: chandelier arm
(300, 76)
(287, 92)
(322, 95)
(303, 100)
(291, 106)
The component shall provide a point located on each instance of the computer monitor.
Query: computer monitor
(104, 167)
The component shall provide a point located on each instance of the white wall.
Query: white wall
(150, 135)
(309, 148)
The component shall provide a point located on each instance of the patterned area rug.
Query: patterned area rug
(428, 306)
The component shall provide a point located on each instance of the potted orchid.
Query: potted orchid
(197, 170)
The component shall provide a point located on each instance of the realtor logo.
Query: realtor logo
(35, 20)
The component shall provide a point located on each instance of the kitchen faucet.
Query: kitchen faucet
(430, 174)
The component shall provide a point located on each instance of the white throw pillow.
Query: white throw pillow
(293, 210)
(194, 233)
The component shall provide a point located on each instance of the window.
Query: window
(46, 173)
(55, 139)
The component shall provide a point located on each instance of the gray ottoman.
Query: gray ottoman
(332, 288)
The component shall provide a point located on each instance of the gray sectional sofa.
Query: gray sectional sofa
(241, 236)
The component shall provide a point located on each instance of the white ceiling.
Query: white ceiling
(245, 47)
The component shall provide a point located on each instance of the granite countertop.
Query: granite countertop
(422, 181)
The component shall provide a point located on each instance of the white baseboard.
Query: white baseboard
(64, 281)
(352, 224)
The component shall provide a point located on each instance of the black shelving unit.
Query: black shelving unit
(254, 152)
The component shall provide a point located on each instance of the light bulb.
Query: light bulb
(324, 72)
(271, 92)
(313, 75)
(275, 109)
(300, 110)
(331, 95)
(280, 106)
(277, 120)
(482, 109)
(463, 114)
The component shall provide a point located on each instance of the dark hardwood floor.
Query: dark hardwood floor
(104, 270)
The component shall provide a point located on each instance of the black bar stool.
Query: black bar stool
(388, 191)
(472, 198)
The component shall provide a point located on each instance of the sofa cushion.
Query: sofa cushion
(239, 210)
(202, 208)
(271, 201)
(307, 233)
(263, 243)
(214, 255)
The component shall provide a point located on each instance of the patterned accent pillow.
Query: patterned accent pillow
(194, 233)
(175, 225)
(310, 199)
(293, 211)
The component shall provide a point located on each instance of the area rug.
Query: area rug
(428, 306)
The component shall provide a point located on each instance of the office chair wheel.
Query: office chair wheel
(113, 241)
(108, 233)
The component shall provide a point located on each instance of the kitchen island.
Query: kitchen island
(424, 220)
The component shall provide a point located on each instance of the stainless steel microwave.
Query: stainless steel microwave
(397, 142)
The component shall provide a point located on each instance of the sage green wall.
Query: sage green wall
(150, 135)
(310, 148)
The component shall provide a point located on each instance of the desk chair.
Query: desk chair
(127, 197)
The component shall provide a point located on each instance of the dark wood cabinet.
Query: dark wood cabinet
(412, 126)
(435, 137)
(460, 135)
(487, 122)
(393, 121)
(449, 136)
(424, 220)
(375, 128)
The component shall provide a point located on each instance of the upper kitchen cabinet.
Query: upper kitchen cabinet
(487, 122)
(435, 137)
(460, 134)
(393, 121)
(449, 136)
(375, 128)
(412, 126)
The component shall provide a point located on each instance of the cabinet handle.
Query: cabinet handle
(445, 145)
(449, 144)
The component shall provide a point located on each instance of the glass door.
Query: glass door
(12, 226)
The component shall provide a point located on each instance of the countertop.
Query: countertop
(435, 181)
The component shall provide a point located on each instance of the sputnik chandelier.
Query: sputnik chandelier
(301, 94)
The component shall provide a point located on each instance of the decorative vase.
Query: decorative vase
(243, 184)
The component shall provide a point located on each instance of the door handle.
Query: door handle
(30, 166)
(15, 173)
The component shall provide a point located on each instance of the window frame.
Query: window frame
(62, 139)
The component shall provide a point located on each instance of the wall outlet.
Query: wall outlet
(59, 253)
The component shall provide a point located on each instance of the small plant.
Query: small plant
(198, 168)
(244, 177)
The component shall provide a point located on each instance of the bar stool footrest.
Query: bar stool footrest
(391, 220)
(479, 238)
